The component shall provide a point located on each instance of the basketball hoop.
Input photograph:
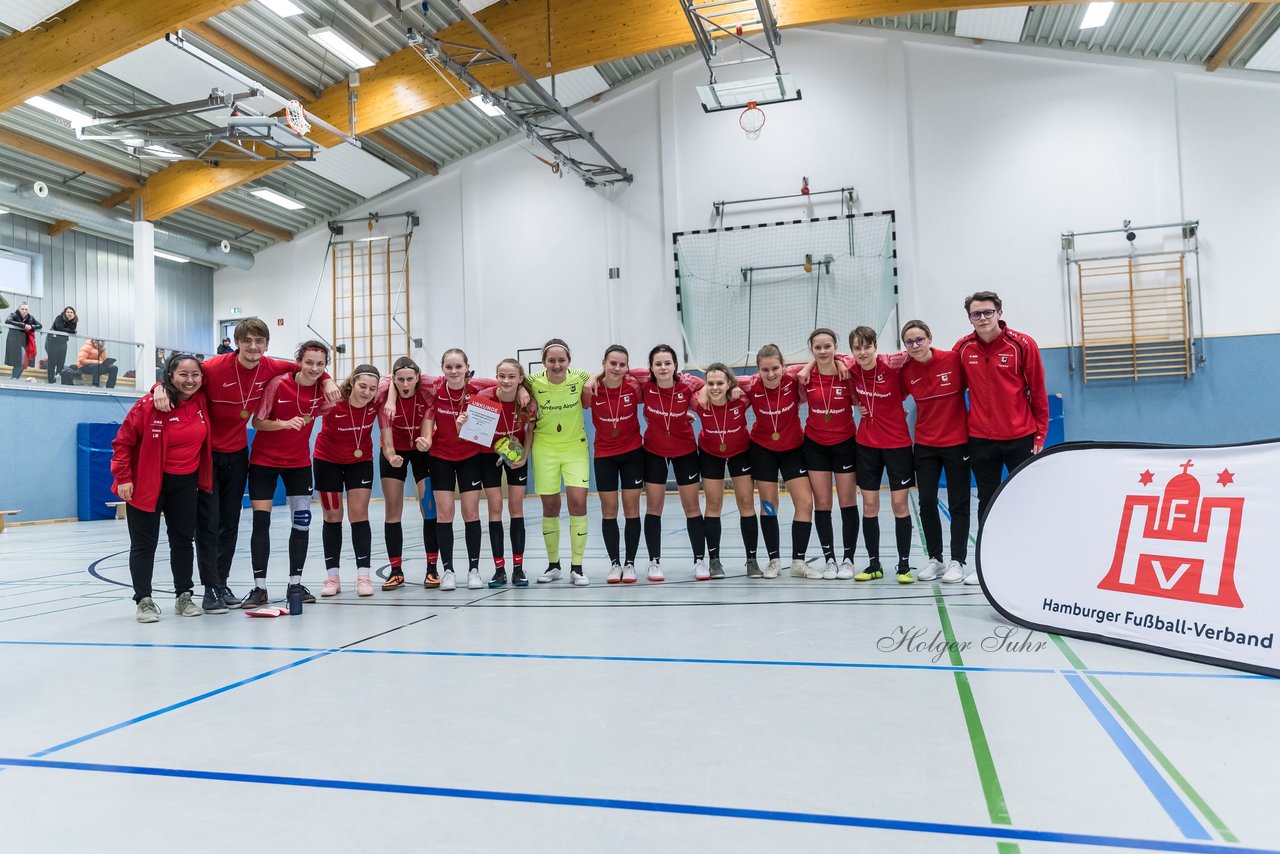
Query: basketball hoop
(296, 118)
(752, 120)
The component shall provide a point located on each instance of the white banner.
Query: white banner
(1162, 548)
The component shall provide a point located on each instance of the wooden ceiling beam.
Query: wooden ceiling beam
(404, 152)
(90, 34)
(56, 228)
(67, 158)
(247, 222)
(1240, 30)
(118, 198)
(259, 66)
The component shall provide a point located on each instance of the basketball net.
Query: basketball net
(752, 120)
(296, 118)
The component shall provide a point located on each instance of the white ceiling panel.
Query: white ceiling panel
(358, 171)
(1268, 56)
(574, 87)
(22, 15)
(1001, 25)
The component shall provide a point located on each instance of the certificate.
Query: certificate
(481, 423)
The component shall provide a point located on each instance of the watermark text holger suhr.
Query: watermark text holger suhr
(933, 643)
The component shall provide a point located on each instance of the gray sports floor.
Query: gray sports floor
(731, 715)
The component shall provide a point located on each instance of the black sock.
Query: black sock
(871, 536)
(711, 527)
(631, 538)
(609, 527)
(362, 542)
(697, 536)
(444, 537)
(496, 544)
(750, 526)
(769, 527)
(260, 542)
(472, 532)
(431, 540)
(653, 536)
(393, 533)
(826, 536)
(517, 538)
(902, 532)
(800, 539)
(849, 531)
(331, 536)
(298, 542)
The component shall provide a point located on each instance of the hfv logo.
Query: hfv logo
(1178, 546)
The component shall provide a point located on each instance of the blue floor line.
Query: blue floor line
(870, 823)
(743, 662)
(1159, 787)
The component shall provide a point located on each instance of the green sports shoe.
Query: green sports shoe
(904, 573)
(871, 573)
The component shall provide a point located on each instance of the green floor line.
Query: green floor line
(1155, 752)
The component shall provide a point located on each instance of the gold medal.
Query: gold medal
(306, 419)
(776, 436)
(359, 453)
(613, 432)
(723, 447)
(827, 417)
(244, 413)
(558, 428)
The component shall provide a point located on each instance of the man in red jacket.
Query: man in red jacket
(1008, 406)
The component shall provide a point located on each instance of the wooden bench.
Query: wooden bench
(4, 514)
(119, 505)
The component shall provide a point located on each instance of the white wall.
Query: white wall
(986, 152)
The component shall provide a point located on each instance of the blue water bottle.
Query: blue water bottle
(295, 599)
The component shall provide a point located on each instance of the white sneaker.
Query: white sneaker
(615, 574)
(629, 574)
(552, 573)
(972, 579)
(655, 572)
(830, 571)
(473, 579)
(773, 569)
(447, 581)
(148, 611)
(579, 578)
(185, 606)
(846, 570)
(932, 570)
(700, 571)
(954, 573)
(801, 569)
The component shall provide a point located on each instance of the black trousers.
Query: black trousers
(989, 458)
(218, 517)
(177, 502)
(930, 463)
(96, 371)
(55, 346)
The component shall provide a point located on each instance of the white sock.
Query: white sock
(335, 572)
(260, 583)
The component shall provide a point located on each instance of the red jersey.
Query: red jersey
(283, 399)
(831, 403)
(777, 412)
(879, 391)
(233, 392)
(450, 403)
(613, 414)
(405, 422)
(141, 444)
(1007, 399)
(938, 388)
(345, 429)
(511, 422)
(724, 428)
(668, 431)
(186, 438)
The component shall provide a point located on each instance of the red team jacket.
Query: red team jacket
(938, 388)
(141, 452)
(1007, 398)
(231, 389)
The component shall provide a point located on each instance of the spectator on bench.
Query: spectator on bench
(93, 362)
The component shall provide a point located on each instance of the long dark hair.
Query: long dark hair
(171, 365)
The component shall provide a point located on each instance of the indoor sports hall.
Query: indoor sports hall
(833, 426)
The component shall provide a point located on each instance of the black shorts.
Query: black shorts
(685, 468)
(491, 472)
(872, 463)
(767, 464)
(620, 471)
(713, 467)
(335, 477)
(840, 458)
(420, 461)
(464, 474)
(262, 481)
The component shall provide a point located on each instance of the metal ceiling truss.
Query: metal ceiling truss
(748, 23)
(542, 119)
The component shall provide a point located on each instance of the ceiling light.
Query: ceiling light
(374, 239)
(474, 6)
(485, 107)
(283, 8)
(278, 199)
(336, 43)
(3, 211)
(76, 118)
(162, 151)
(1096, 15)
(169, 256)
